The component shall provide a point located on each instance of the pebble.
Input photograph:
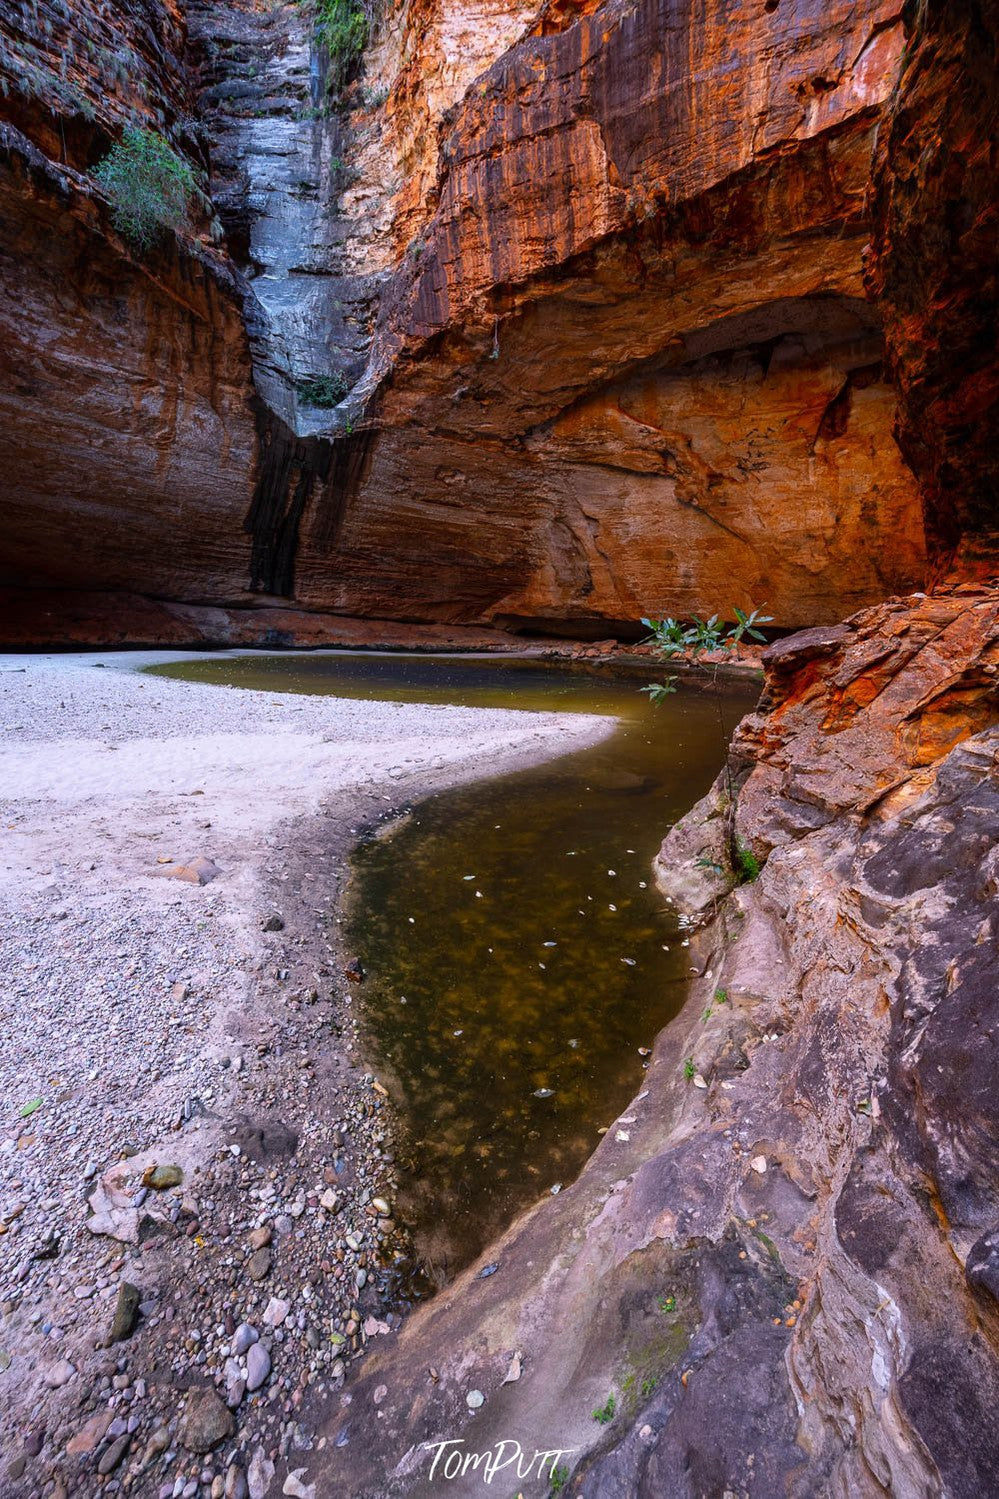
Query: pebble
(235, 1483)
(242, 1338)
(126, 1311)
(474, 1399)
(161, 1178)
(259, 1474)
(258, 1266)
(59, 1374)
(258, 1366)
(294, 1486)
(158, 1442)
(113, 1456)
(206, 1422)
(92, 1432)
(276, 1311)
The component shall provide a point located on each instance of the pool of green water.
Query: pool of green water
(518, 956)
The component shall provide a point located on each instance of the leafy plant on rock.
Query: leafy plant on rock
(747, 865)
(605, 1413)
(342, 28)
(324, 391)
(672, 638)
(150, 186)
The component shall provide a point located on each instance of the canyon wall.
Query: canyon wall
(127, 430)
(934, 272)
(589, 281)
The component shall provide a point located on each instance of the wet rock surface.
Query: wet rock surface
(781, 1259)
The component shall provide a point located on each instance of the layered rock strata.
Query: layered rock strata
(627, 365)
(590, 279)
(127, 429)
(781, 1261)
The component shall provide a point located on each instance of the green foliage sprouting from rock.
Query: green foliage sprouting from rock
(342, 28)
(747, 865)
(149, 185)
(323, 391)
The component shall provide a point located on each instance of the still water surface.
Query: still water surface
(518, 956)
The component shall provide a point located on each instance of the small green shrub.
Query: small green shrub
(689, 1070)
(559, 1479)
(721, 996)
(342, 28)
(747, 865)
(149, 185)
(605, 1413)
(323, 391)
(666, 1303)
(673, 638)
(649, 1385)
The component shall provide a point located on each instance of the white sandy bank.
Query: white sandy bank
(123, 995)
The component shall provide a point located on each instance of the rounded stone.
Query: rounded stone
(258, 1366)
(206, 1422)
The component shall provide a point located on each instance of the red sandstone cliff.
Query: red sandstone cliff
(595, 273)
(127, 439)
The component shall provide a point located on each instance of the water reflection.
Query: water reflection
(518, 957)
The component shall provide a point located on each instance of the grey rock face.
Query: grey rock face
(281, 162)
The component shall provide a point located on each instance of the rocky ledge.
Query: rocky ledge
(779, 1273)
